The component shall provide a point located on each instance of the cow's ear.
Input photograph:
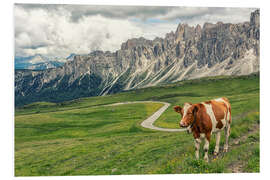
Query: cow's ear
(177, 109)
(195, 109)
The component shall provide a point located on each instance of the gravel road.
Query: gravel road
(148, 123)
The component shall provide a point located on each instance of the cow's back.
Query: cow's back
(228, 105)
(219, 112)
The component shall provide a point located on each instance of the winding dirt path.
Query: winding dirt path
(148, 123)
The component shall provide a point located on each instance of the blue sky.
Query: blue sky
(58, 30)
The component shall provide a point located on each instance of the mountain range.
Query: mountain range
(189, 52)
(40, 62)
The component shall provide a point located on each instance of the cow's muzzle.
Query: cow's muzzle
(183, 125)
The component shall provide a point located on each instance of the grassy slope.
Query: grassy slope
(80, 137)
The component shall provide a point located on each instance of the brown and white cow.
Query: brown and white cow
(205, 118)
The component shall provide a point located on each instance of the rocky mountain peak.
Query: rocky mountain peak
(198, 29)
(208, 25)
(134, 42)
(255, 18)
(169, 36)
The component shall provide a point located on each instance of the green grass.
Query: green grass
(238, 154)
(83, 137)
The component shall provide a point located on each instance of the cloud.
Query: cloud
(196, 16)
(141, 12)
(116, 12)
(58, 30)
(56, 34)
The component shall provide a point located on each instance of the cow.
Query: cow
(203, 119)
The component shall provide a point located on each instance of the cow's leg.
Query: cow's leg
(227, 134)
(197, 147)
(217, 143)
(206, 146)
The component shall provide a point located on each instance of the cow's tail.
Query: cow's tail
(229, 113)
(229, 116)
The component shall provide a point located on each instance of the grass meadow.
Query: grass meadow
(84, 137)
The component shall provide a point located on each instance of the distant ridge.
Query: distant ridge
(41, 62)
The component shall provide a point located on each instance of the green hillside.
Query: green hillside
(84, 137)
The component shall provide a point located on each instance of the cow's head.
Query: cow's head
(188, 113)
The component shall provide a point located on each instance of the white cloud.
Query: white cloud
(214, 15)
(52, 30)
(54, 34)
(184, 12)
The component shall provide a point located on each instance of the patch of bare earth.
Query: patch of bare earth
(237, 166)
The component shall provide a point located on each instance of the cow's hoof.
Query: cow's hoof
(206, 159)
(225, 150)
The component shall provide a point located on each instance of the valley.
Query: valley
(85, 136)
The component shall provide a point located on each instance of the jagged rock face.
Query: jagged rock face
(189, 52)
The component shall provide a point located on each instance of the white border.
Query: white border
(7, 83)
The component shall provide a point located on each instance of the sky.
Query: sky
(59, 30)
